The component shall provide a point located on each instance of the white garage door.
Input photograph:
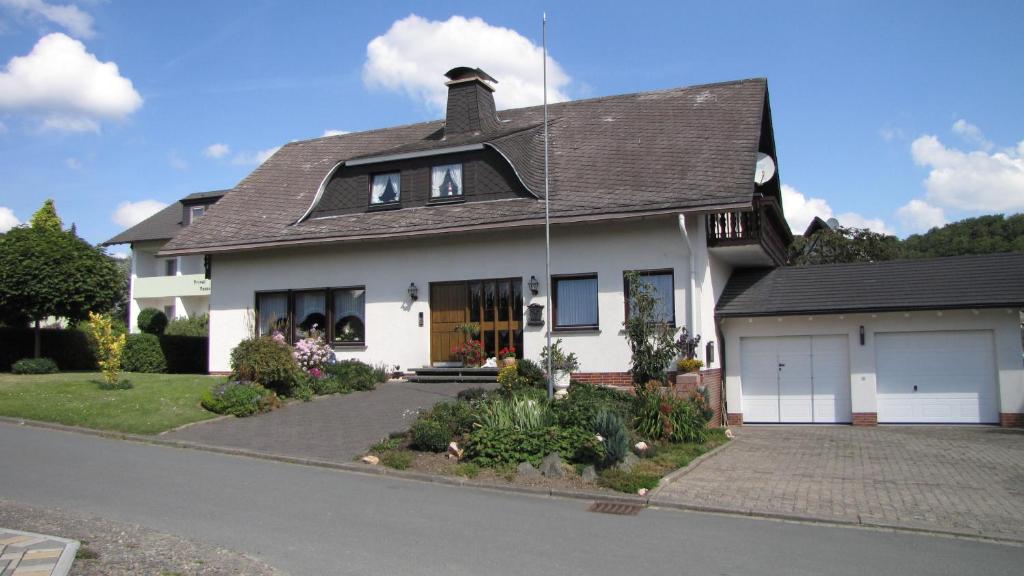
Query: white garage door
(936, 377)
(795, 379)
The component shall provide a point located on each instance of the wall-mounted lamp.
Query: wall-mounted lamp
(414, 292)
(861, 335)
(534, 285)
(709, 353)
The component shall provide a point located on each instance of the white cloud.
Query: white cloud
(413, 55)
(971, 134)
(68, 16)
(7, 219)
(258, 157)
(920, 216)
(976, 181)
(217, 150)
(73, 163)
(68, 85)
(129, 214)
(334, 133)
(800, 210)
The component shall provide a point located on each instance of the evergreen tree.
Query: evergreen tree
(46, 217)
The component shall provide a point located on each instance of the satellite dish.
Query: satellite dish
(765, 168)
(832, 223)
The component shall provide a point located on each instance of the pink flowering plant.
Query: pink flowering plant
(312, 353)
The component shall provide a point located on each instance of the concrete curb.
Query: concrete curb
(647, 501)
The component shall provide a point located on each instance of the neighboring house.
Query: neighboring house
(388, 239)
(177, 285)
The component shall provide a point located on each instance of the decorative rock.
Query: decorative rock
(642, 491)
(728, 433)
(526, 470)
(599, 437)
(641, 447)
(551, 466)
(628, 462)
(454, 452)
(589, 474)
(371, 459)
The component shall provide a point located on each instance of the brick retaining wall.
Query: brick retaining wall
(1011, 420)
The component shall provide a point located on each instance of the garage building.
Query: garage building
(931, 341)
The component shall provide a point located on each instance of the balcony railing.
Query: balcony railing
(171, 286)
(762, 225)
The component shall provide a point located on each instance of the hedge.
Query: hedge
(71, 350)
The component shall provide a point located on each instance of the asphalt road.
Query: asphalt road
(315, 521)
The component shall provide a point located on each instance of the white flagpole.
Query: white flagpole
(547, 211)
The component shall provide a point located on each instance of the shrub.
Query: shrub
(328, 385)
(467, 469)
(352, 374)
(509, 380)
(194, 326)
(152, 321)
(584, 401)
(651, 342)
(472, 394)
(430, 436)
(186, 354)
(518, 413)
(560, 361)
(266, 362)
(70, 348)
(142, 353)
(312, 353)
(109, 347)
(381, 374)
(501, 446)
(239, 399)
(531, 374)
(629, 482)
(34, 366)
(386, 445)
(397, 459)
(616, 438)
(664, 417)
(457, 416)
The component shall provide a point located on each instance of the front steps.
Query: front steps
(455, 374)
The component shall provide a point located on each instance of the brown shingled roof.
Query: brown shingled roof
(671, 150)
(165, 224)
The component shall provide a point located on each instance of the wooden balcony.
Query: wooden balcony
(751, 237)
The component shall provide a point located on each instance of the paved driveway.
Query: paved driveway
(955, 479)
(333, 428)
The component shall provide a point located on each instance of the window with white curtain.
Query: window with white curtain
(349, 315)
(272, 311)
(310, 313)
(575, 304)
(662, 285)
(386, 188)
(446, 181)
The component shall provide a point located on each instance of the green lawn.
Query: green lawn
(157, 402)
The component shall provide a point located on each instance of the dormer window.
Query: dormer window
(446, 181)
(386, 189)
(195, 213)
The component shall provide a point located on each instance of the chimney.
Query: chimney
(470, 102)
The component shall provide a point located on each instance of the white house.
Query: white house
(177, 285)
(388, 239)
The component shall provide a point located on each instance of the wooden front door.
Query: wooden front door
(496, 305)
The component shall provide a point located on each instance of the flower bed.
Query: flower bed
(603, 439)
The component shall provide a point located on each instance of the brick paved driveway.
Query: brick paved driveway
(955, 479)
(333, 428)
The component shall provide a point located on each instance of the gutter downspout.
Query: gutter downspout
(691, 314)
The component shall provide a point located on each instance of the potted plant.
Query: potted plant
(507, 356)
(562, 366)
(470, 352)
(688, 377)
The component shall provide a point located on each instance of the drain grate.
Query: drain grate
(620, 508)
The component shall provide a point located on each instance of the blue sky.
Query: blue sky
(895, 115)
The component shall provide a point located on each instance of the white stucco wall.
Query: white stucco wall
(387, 268)
(1005, 325)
